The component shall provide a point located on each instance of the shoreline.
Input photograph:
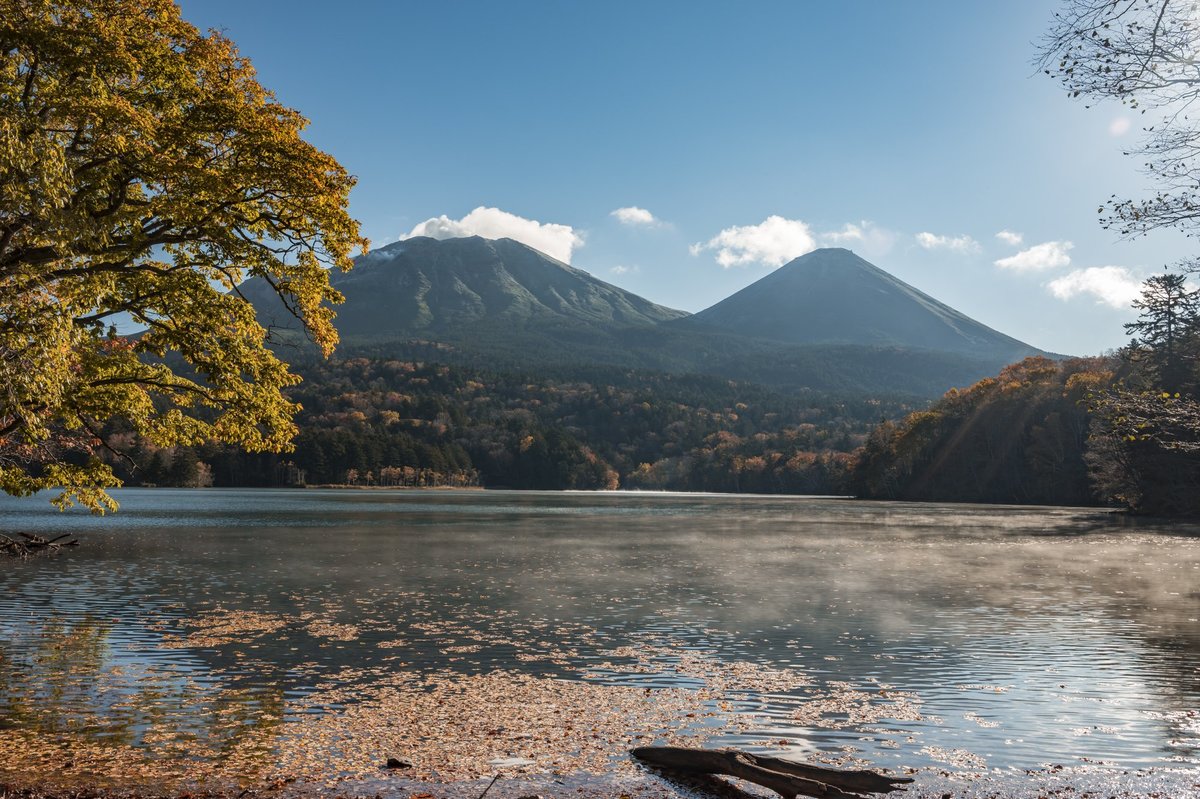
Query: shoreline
(349, 487)
(1052, 782)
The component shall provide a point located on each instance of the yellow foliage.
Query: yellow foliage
(1086, 382)
(144, 175)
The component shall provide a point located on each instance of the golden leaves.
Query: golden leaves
(220, 627)
(144, 172)
(451, 726)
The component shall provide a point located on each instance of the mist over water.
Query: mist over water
(904, 636)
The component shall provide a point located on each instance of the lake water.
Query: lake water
(252, 635)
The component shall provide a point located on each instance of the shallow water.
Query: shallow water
(211, 626)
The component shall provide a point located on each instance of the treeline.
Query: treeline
(1123, 430)
(1019, 437)
(387, 421)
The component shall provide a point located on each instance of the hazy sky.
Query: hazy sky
(682, 150)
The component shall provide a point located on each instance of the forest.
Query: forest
(199, 396)
(1121, 430)
(383, 421)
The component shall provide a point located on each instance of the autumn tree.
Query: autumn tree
(1141, 53)
(1017, 437)
(144, 175)
(1143, 448)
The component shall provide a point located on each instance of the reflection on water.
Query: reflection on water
(266, 632)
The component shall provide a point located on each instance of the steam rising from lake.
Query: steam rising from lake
(927, 637)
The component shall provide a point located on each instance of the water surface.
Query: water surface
(202, 627)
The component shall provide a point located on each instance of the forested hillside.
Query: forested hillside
(1019, 437)
(1123, 430)
(380, 421)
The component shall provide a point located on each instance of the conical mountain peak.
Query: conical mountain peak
(832, 296)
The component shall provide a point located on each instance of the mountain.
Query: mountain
(499, 304)
(431, 288)
(832, 296)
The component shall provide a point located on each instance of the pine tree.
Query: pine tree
(1167, 332)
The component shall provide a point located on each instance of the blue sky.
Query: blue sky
(911, 133)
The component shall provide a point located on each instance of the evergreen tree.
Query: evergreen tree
(1167, 333)
(1144, 448)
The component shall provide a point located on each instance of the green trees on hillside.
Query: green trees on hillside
(1166, 344)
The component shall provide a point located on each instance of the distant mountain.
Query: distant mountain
(832, 296)
(429, 288)
(500, 304)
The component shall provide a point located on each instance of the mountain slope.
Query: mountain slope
(832, 296)
(501, 304)
(429, 288)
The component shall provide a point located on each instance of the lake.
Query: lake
(303, 637)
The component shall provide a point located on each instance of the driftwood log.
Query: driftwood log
(30, 544)
(785, 777)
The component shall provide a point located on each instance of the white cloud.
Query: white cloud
(866, 235)
(849, 234)
(772, 242)
(1010, 237)
(1046, 255)
(557, 241)
(636, 217)
(1112, 285)
(1119, 126)
(961, 244)
(625, 270)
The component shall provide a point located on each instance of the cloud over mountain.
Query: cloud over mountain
(557, 241)
(772, 242)
(866, 236)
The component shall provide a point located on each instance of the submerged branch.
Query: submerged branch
(785, 777)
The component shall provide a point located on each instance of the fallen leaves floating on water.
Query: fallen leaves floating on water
(717, 675)
(452, 728)
(220, 626)
(460, 710)
(843, 707)
(982, 722)
(959, 758)
(324, 628)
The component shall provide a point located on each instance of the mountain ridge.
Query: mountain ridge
(445, 284)
(498, 301)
